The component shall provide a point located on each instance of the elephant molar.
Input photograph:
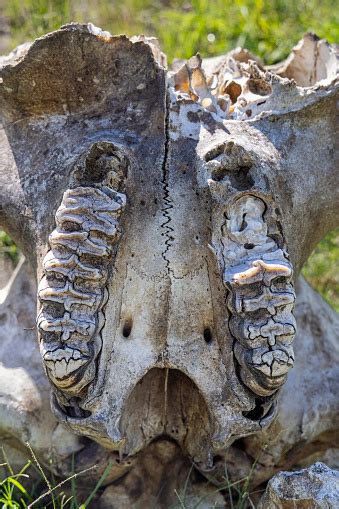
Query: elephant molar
(261, 296)
(73, 290)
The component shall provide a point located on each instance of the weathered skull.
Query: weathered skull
(167, 214)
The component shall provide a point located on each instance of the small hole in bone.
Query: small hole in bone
(142, 202)
(249, 246)
(208, 335)
(248, 113)
(243, 224)
(259, 87)
(233, 89)
(126, 331)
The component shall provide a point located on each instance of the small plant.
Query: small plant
(14, 493)
(320, 270)
(8, 248)
(236, 493)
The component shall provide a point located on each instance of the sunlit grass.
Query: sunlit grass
(31, 487)
(34, 488)
(268, 28)
(321, 269)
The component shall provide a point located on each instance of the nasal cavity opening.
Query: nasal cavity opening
(178, 412)
(208, 335)
(127, 328)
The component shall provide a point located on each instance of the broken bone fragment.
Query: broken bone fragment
(261, 271)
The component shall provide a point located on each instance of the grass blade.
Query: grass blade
(99, 483)
(17, 485)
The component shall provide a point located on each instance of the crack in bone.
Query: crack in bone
(168, 205)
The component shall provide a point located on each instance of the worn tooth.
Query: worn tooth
(261, 295)
(271, 331)
(68, 296)
(91, 198)
(102, 223)
(78, 242)
(63, 362)
(94, 213)
(72, 268)
(267, 300)
(66, 325)
(260, 387)
(273, 363)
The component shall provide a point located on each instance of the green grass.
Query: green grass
(237, 494)
(267, 28)
(321, 269)
(21, 490)
(8, 248)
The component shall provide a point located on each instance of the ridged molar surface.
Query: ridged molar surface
(261, 297)
(73, 289)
